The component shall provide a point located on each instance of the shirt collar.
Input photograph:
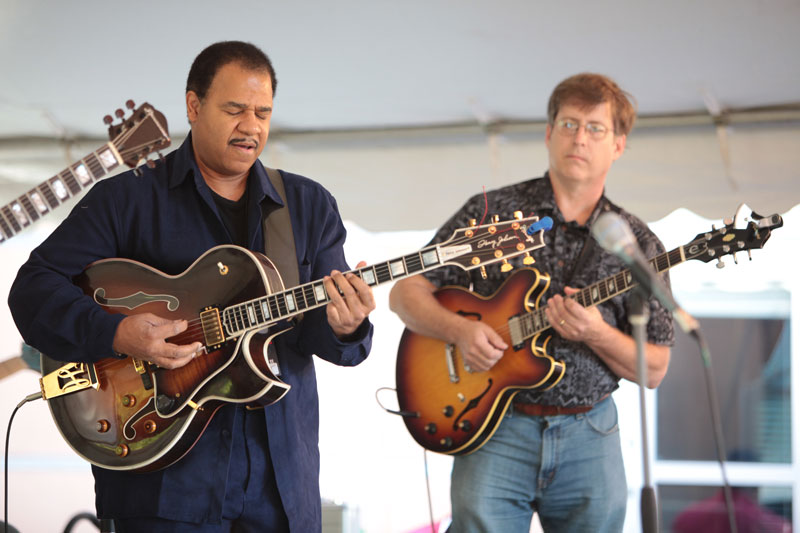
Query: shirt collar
(548, 201)
(186, 165)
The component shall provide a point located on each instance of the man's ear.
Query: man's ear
(192, 105)
(620, 141)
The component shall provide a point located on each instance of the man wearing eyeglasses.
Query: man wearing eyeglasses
(556, 451)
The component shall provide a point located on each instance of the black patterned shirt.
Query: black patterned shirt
(587, 379)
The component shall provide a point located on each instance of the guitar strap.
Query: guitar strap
(279, 237)
(588, 245)
(280, 248)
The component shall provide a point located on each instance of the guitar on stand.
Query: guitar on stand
(449, 409)
(132, 140)
(127, 414)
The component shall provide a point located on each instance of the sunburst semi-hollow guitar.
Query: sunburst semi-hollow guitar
(451, 410)
(133, 139)
(127, 414)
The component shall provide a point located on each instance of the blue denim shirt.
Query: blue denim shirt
(166, 218)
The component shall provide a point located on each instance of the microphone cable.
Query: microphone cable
(716, 423)
(28, 398)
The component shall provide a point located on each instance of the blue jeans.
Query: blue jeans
(568, 468)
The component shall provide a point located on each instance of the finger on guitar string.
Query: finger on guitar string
(351, 301)
(480, 345)
(145, 335)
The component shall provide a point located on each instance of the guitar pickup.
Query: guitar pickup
(515, 330)
(72, 377)
(212, 328)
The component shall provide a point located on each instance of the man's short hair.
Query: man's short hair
(214, 57)
(588, 89)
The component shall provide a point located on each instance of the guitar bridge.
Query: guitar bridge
(72, 377)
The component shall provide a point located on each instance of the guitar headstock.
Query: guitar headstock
(497, 241)
(747, 231)
(141, 134)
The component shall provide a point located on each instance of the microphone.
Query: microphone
(614, 235)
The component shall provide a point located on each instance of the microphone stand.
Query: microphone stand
(638, 315)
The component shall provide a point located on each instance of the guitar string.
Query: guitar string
(196, 332)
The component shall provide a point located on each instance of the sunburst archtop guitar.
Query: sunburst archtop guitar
(451, 410)
(126, 414)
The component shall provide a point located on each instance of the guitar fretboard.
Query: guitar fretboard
(525, 326)
(261, 312)
(41, 200)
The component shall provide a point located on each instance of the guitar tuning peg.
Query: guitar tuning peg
(720, 263)
(119, 113)
(713, 227)
(735, 261)
(749, 255)
(518, 215)
(506, 266)
(151, 164)
(107, 120)
(473, 222)
(495, 218)
(528, 259)
(727, 221)
(483, 272)
(129, 104)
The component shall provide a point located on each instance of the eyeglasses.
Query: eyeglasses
(569, 128)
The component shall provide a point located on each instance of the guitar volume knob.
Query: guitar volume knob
(430, 427)
(447, 442)
(448, 411)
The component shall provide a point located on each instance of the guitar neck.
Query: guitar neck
(41, 200)
(530, 324)
(264, 311)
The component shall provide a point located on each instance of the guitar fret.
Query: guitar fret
(68, 176)
(382, 271)
(60, 187)
(265, 312)
(291, 306)
(27, 204)
(95, 167)
(413, 263)
(603, 290)
(107, 158)
(11, 219)
(239, 317)
(7, 232)
(368, 276)
(308, 292)
(397, 268)
(429, 257)
(319, 293)
(81, 173)
(49, 195)
(675, 257)
(275, 311)
(19, 213)
(299, 298)
(38, 201)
